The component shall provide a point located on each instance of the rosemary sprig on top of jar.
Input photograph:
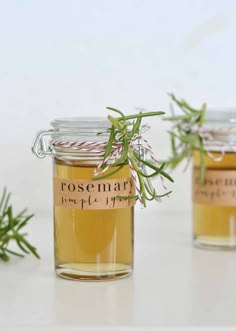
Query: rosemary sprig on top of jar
(186, 135)
(190, 134)
(126, 146)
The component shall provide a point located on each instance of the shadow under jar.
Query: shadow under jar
(214, 202)
(93, 227)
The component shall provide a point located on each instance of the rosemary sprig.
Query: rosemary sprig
(10, 230)
(184, 139)
(123, 130)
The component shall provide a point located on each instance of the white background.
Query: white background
(74, 58)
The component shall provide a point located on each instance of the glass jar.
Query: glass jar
(93, 227)
(214, 202)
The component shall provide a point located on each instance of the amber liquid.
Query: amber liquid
(213, 225)
(92, 244)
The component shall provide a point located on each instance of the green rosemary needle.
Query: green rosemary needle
(185, 140)
(11, 230)
(123, 129)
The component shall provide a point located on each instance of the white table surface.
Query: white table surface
(173, 284)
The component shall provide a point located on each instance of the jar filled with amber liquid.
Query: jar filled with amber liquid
(93, 225)
(214, 201)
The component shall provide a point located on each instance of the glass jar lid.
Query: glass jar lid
(81, 129)
(220, 119)
(220, 124)
(90, 124)
(67, 132)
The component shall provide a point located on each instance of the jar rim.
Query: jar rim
(81, 123)
(227, 115)
(220, 119)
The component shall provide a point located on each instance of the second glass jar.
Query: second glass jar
(214, 202)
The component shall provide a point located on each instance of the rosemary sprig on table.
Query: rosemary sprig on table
(123, 130)
(10, 230)
(184, 135)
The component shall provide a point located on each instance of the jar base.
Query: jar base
(93, 272)
(214, 243)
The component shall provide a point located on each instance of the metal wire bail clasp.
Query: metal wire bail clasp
(40, 146)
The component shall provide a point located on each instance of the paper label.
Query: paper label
(219, 187)
(93, 194)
